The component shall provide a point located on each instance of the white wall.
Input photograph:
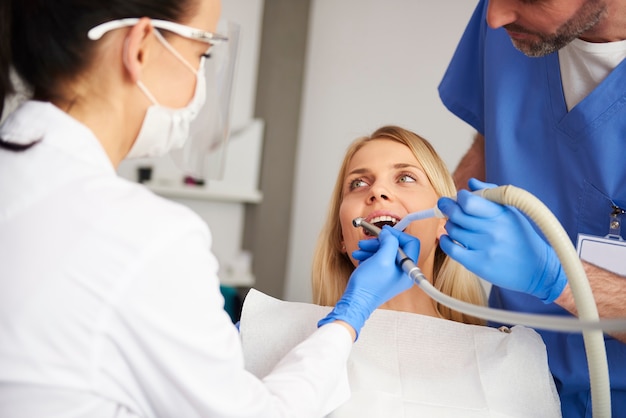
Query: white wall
(369, 63)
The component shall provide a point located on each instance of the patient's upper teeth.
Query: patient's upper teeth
(384, 218)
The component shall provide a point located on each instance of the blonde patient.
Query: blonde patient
(384, 177)
(414, 357)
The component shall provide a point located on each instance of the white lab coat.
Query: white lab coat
(109, 299)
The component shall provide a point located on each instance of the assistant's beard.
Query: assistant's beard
(587, 17)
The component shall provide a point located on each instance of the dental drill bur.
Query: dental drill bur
(403, 260)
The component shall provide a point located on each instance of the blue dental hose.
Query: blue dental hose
(588, 321)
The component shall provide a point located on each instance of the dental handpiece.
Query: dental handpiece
(403, 260)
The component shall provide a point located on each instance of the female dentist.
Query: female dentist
(109, 299)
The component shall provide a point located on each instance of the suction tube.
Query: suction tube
(424, 214)
(583, 298)
(416, 216)
(588, 320)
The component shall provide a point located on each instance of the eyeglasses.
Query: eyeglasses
(211, 38)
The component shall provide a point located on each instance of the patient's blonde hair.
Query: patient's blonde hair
(332, 267)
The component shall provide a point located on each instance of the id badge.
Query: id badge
(605, 252)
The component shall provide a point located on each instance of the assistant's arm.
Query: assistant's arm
(472, 164)
(609, 292)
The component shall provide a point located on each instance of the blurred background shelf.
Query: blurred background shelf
(222, 194)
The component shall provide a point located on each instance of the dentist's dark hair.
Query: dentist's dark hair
(6, 87)
(45, 42)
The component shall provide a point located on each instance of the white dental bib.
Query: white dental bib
(409, 365)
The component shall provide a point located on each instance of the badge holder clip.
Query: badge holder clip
(615, 223)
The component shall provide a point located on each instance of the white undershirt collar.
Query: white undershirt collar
(584, 65)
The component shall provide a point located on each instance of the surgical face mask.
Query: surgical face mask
(164, 128)
(204, 139)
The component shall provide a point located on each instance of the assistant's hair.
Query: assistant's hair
(332, 267)
(45, 41)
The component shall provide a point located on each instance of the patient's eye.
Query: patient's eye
(356, 183)
(406, 178)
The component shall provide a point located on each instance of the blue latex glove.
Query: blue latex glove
(369, 247)
(375, 280)
(500, 245)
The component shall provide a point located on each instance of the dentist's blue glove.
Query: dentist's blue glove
(500, 245)
(375, 280)
(368, 247)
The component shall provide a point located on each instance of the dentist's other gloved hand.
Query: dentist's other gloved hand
(375, 280)
(500, 245)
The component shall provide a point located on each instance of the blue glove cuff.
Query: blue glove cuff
(343, 311)
(558, 286)
(553, 281)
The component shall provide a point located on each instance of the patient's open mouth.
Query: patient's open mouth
(380, 221)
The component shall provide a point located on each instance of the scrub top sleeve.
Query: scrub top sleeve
(461, 89)
(183, 352)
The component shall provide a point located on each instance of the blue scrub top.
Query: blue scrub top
(575, 162)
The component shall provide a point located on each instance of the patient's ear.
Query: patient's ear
(441, 229)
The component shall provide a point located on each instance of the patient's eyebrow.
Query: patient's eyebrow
(396, 166)
(407, 165)
(359, 171)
